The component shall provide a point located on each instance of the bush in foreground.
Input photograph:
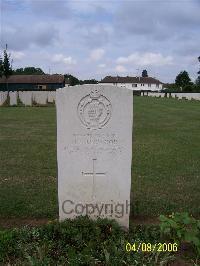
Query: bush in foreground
(81, 242)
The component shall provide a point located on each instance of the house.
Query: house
(33, 82)
(134, 83)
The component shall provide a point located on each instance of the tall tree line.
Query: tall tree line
(6, 65)
(198, 78)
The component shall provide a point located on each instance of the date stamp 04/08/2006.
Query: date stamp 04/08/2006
(149, 247)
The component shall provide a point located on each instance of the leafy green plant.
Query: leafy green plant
(8, 244)
(79, 242)
(181, 227)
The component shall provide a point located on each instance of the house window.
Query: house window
(134, 85)
(157, 85)
(42, 87)
(149, 85)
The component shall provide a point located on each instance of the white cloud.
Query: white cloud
(60, 58)
(69, 61)
(102, 65)
(145, 59)
(120, 69)
(97, 54)
(17, 55)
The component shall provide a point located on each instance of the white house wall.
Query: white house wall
(139, 87)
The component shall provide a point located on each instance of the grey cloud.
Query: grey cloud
(45, 35)
(96, 35)
(157, 20)
(51, 8)
(21, 38)
(188, 48)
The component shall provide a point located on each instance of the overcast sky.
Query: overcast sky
(92, 39)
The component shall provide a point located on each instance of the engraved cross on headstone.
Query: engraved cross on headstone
(94, 174)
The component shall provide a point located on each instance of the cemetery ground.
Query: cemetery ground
(165, 171)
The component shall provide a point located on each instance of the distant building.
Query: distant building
(33, 82)
(134, 83)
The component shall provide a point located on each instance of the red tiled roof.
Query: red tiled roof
(149, 80)
(35, 79)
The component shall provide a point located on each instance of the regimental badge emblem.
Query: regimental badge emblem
(94, 110)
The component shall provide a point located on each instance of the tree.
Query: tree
(88, 81)
(72, 80)
(1, 66)
(182, 79)
(144, 73)
(7, 67)
(29, 71)
(198, 78)
(75, 81)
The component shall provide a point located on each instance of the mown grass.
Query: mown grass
(166, 156)
(166, 159)
(28, 179)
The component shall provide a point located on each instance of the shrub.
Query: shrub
(78, 242)
(188, 88)
(181, 227)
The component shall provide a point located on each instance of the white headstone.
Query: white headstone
(26, 97)
(94, 151)
(195, 96)
(189, 96)
(51, 96)
(13, 97)
(40, 97)
(3, 97)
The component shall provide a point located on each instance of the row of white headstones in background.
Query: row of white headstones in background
(44, 97)
(179, 95)
(28, 97)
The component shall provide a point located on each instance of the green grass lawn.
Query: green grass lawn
(166, 159)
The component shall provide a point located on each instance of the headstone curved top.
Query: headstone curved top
(26, 97)
(13, 97)
(3, 97)
(94, 151)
